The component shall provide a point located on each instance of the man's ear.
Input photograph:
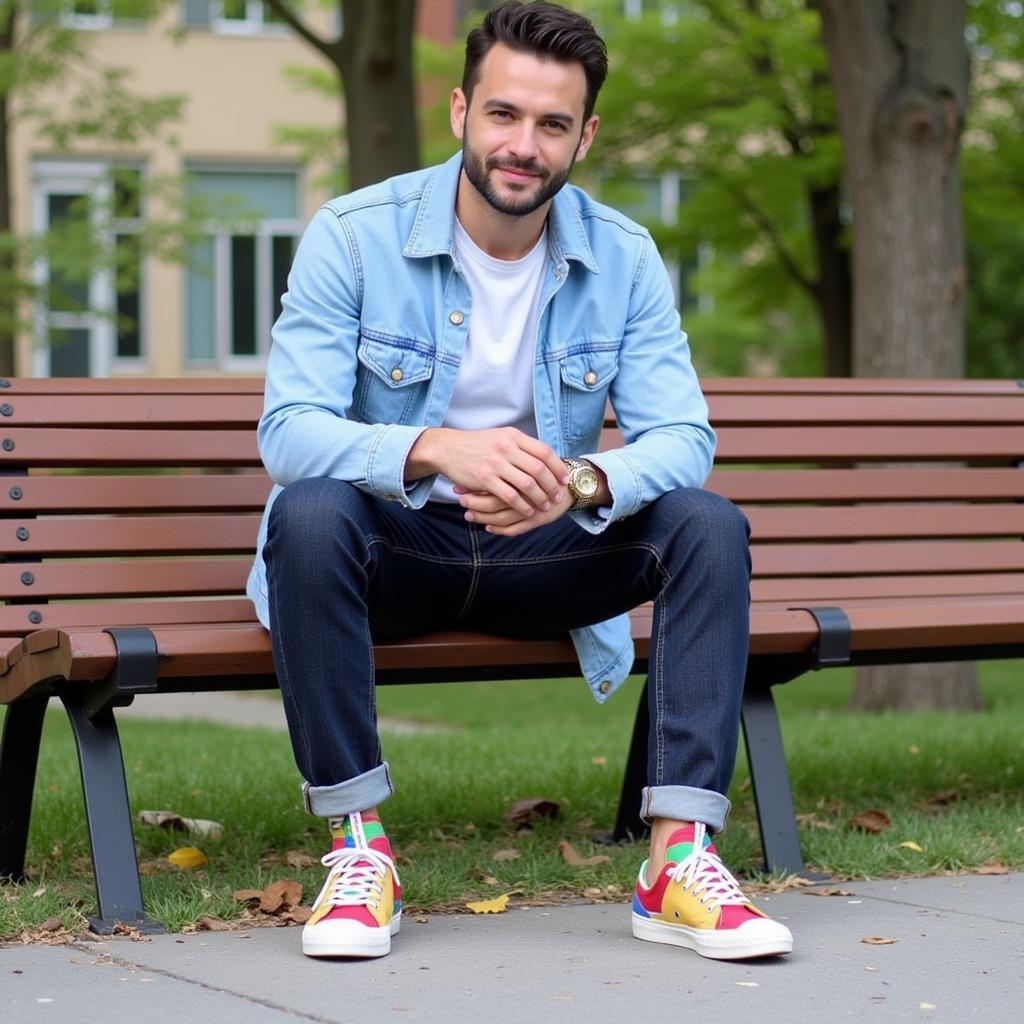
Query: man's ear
(587, 136)
(457, 113)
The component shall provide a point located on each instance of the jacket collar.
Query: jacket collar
(433, 233)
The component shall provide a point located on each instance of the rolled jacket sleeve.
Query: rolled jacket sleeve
(305, 430)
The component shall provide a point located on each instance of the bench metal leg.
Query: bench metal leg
(770, 783)
(108, 817)
(628, 823)
(19, 755)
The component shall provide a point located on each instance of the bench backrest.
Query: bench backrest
(137, 501)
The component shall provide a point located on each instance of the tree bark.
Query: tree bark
(373, 61)
(833, 293)
(900, 69)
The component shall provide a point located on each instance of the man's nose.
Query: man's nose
(523, 143)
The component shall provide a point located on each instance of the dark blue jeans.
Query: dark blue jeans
(345, 569)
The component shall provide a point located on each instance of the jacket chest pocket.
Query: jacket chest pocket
(393, 377)
(586, 377)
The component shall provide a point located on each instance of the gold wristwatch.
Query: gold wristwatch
(584, 483)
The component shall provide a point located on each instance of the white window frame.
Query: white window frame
(221, 235)
(92, 179)
(253, 24)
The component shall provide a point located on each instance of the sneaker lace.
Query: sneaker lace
(356, 873)
(705, 875)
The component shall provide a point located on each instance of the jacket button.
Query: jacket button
(605, 685)
(590, 378)
(396, 374)
(456, 317)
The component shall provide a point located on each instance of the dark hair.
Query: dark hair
(544, 30)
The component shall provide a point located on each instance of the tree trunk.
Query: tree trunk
(377, 71)
(8, 256)
(900, 69)
(832, 293)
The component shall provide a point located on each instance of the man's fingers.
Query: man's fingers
(552, 462)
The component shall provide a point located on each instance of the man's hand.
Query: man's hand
(504, 520)
(520, 473)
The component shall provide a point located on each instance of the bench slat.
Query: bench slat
(14, 618)
(45, 446)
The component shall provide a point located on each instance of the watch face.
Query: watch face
(585, 482)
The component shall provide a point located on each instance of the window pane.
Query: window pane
(68, 292)
(127, 192)
(283, 250)
(197, 12)
(243, 295)
(129, 335)
(269, 193)
(200, 302)
(69, 352)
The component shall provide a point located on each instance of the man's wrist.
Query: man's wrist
(422, 458)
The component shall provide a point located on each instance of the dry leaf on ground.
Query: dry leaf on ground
(212, 924)
(992, 869)
(282, 895)
(571, 856)
(496, 906)
(827, 892)
(174, 822)
(298, 859)
(947, 796)
(506, 855)
(599, 762)
(813, 821)
(911, 845)
(877, 940)
(871, 821)
(52, 924)
(522, 812)
(187, 858)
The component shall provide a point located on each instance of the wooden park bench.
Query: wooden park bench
(129, 512)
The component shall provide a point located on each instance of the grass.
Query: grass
(952, 784)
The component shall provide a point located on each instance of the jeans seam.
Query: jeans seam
(474, 583)
(572, 556)
(659, 673)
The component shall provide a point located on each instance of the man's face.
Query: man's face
(523, 131)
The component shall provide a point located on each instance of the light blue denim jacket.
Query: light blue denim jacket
(372, 330)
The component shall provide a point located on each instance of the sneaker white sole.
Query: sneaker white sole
(755, 938)
(349, 938)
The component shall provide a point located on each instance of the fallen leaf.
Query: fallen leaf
(298, 859)
(212, 924)
(871, 821)
(187, 858)
(39, 892)
(52, 924)
(571, 856)
(284, 894)
(507, 855)
(992, 869)
(593, 893)
(495, 906)
(155, 866)
(297, 915)
(947, 796)
(599, 762)
(173, 822)
(878, 940)
(914, 749)
(910, 845)
(827, 892)
(247, 895)
(489, 880)
(813, 821)
(522, 812)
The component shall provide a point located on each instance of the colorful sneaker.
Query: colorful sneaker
(360, 906)
(697, 903)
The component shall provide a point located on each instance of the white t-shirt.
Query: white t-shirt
(494, 385)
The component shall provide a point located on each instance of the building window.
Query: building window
(239, 271)
(232, 17)
(89, 316)
(100, 14)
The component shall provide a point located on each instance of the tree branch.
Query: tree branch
(768, 229)
(330, 49)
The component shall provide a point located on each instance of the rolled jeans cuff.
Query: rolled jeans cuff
(358, 794)
(685, 803)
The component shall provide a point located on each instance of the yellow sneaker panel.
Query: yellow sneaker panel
(385, 909)
(681, 906)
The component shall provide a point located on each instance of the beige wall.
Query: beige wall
(236, 93)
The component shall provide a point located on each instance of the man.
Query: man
(435, 395)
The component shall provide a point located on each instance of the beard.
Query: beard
(478, 173)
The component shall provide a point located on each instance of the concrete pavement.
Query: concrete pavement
(958, 955)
